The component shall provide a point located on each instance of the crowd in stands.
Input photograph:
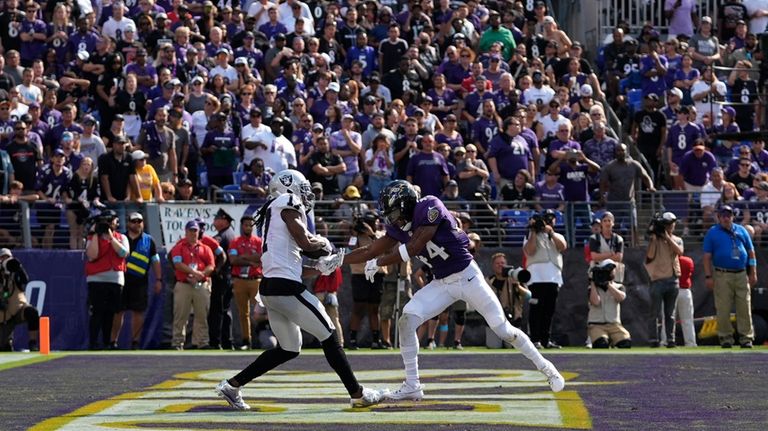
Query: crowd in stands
(140, 101)
(108, 103)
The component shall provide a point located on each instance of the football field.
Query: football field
(477, 389)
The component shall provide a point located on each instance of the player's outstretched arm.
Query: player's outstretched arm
(306, 241)
(371, 251)
(415, 245)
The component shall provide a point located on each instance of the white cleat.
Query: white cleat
(555, 380)
(406, 392)
(369, 398)
(232, 395)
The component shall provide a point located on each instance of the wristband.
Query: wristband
(403, 250)
(752, 262)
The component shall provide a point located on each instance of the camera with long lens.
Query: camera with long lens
(602, 276)
(101, 222)
(361, 223)
(537, 223)
(658, 225)
(520, 275)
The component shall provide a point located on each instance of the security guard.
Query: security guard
(135, 297)
(219, 320)
(730, 268)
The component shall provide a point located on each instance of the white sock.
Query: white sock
(521, 342)
(409, 348)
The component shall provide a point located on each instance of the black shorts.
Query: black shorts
(104, 297)
(363, 291)
(134, 297)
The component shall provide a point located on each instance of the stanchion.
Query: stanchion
(45, 335)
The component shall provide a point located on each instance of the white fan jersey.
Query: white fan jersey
(281, 257)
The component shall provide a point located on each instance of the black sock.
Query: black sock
(353, 336)
(268, 360)
(336, 358)
(376, 336)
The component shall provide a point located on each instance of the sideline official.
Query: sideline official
(219, 319)
(730, 268)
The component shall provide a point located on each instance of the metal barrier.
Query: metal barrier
(498, 223)
(638, 12)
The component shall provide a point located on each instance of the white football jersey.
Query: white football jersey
(281, 257)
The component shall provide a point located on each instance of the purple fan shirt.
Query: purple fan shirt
(655, 84)
(550, 198)
(695, 170)
(427, 171)
(484, 130)
(575, 182)
(681, 140)
(512, 154)
(447, 252)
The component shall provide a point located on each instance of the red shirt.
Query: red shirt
(246, 246)
(686, 271)
(197, 255)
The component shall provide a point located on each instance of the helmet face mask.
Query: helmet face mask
(397, 203)
(293, 182)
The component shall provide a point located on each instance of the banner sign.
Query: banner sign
(174, 217)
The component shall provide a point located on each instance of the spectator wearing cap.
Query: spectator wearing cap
(744, 83)
(653, 67)
(508, 153)
(118, 22)
(91, 145)
(539, 94)
(253, 133)
(706, 47)
(428, 169)
(347, 143)
(696, 167)
(105, 266)
(135, 299)
(550, 193)
(681, 138)
(453, 201)
(149, 183)
(219, 151)
(275, 149)
(117, 175)
(52, 184)
(159, 143)
(552, 32)
(497, 33)
(601, 149)
(146, 74)
(225, 70)
(730, 267)
(69, 146)
(449, 134)
(68, 115)
(194, 263)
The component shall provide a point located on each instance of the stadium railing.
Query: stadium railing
(638, 12)
(498, 223)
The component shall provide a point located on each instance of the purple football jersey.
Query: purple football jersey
(447, 252)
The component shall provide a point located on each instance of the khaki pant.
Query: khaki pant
(733, 288)
(244, 291)
(186, 298)
(331, 304)
(614, 331)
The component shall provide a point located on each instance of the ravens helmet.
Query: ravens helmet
(398, 201)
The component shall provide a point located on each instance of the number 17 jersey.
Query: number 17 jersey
(447, 252)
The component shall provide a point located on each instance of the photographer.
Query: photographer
(512, 295)
(366, 295)
(14, 308)
(663, 267)
(604, 319)
(543, 252)
(106, 250)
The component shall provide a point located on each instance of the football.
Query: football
(325, 251)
